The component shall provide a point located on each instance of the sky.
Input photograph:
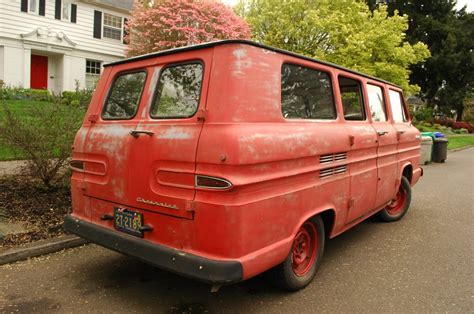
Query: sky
(460, 4)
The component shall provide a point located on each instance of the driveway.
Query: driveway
(423, 263)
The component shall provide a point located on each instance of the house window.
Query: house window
(112, 27)
(66, 10)
(92, 73)
(33, 6)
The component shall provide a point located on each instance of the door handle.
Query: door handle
(401, 132)
(382, 132)
(136, 133)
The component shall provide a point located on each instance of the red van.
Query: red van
(224, 160)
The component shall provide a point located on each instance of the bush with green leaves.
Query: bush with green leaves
(19, 93)
(44, 136)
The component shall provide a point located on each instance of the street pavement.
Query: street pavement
(423, 263)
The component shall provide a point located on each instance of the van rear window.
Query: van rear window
(178, 91)
(306, 93)
(124, 96)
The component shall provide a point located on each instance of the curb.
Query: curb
(460, 148)
(40, 248)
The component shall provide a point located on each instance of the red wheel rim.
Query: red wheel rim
(305, 247)
(397, 204)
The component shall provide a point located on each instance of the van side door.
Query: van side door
(363, 153)
(387, 161)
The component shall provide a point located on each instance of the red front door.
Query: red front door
(39, 72)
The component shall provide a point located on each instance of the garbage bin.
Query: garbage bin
(440, 149)
(426, 149)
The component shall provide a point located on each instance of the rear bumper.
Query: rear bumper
(180, 262)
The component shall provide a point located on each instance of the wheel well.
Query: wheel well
(328, 220)
(408, 172)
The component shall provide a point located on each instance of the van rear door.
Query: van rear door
(149, 153)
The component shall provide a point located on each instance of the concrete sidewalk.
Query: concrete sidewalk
(11, 167)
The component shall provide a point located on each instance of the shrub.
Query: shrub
(19, 93)
(463, 125)
(423, 114)
(45, 136)
(78, 97)
(444, 121)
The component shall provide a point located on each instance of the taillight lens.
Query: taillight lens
(76, 165)
(214, 183)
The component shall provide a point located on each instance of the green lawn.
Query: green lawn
(19, 107)
(460, 141)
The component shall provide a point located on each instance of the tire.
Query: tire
(399, 206)
(302, 262)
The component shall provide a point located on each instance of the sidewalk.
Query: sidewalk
(11, 167)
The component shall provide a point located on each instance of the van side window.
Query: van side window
(306, 93)
(396, 103)
(178, 91)
(124, 96)
(376, 103)
(351, 97)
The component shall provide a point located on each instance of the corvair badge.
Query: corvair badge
(141, 200)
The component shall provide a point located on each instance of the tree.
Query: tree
(343, 32)
(166, 24)
(448, 75)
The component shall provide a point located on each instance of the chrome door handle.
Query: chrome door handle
(382, 132)
(136, 133)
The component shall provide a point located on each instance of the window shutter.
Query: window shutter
(97, 24)
(57, 10)
(125, 32)
(73, 13)
(42, 7)
(24, 5)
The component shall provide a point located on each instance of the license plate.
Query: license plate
(128, 221)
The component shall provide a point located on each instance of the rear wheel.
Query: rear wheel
(399, 205)
(303, 261)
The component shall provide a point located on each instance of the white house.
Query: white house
(52, 44)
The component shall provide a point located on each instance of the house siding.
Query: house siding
(68, 54)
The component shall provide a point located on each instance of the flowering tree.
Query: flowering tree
(166, 24)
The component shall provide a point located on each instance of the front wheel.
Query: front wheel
(398, 207)
(303, 261)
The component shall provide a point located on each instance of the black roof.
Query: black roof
(245, 42)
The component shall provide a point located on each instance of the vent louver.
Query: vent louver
(332, 171)
(324, 159)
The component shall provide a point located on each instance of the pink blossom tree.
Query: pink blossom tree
(168, 24)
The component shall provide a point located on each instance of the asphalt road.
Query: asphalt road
(423, 263)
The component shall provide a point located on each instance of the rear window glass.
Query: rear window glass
(178, 91)
(306, 93)
(396, 103)
(376, 103)
(124, 96)
(352, 100)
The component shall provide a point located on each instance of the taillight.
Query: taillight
(77, 165)
(214, 183)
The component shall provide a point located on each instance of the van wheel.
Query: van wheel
(302, 263)
(399, 205)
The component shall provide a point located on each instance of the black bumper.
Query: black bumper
(211, 271)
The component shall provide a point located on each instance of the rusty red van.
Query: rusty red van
(224, 160)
